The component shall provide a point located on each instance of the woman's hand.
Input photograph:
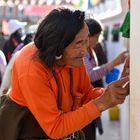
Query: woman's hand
(125, 71)
(118, 60)
(114, 94)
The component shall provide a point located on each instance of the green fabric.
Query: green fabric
(105, 32)
(125, 28)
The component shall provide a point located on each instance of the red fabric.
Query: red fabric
(36, 10)
(129, 3)
(5, 28)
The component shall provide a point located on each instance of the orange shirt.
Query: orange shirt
(34, 86)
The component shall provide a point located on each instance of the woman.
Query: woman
(54, 85)
(15, 38)
(95, 71)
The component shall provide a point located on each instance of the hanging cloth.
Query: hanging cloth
(125, 28)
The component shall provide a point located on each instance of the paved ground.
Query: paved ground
(111, 128)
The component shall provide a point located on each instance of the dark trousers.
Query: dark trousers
(90, 131)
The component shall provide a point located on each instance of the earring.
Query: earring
(58, 57)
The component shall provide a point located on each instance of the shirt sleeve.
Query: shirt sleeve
(42, 102)
(95, 72)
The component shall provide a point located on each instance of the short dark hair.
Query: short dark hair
(56, 31)
(93, 26)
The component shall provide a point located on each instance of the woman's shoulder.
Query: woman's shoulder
(28, 63)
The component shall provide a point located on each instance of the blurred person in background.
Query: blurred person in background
(50, 82)
(100, 59)
(97, 72)
(16, 33)
(2, 40)
(6, 82)
(3, 65)
(30, 34)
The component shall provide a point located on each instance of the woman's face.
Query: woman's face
(74, 52)
(93, 40)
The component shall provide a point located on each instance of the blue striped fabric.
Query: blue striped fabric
(95, 72)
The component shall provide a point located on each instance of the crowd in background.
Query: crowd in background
(20, 34)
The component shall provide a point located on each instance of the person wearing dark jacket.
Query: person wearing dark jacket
(15, 29)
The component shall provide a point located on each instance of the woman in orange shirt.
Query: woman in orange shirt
(50, 80)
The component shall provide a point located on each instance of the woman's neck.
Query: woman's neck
(59, 64)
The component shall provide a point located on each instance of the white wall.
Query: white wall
(135, 71)
(113, 50)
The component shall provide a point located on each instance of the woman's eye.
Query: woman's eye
(78, 45)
